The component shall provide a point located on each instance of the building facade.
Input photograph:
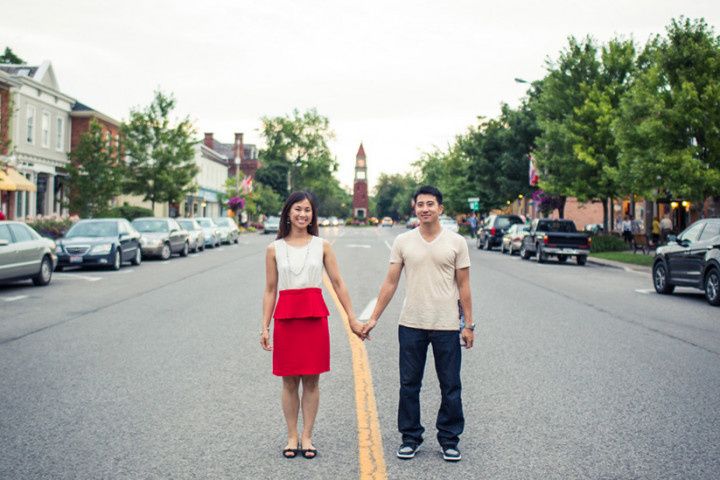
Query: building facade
(207, 200)
(40, 139)
(360, 201)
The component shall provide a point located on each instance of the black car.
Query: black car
(492, 230)
(99, 242)
(692, 259)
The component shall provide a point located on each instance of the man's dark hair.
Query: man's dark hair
(428, 190)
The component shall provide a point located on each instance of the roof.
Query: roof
(81, 107)
(20, 70)
(361, 152)
(228, 150)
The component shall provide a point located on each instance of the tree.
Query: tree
(262, 199)
(393, 195)
(297, 157)
(160, 156)
(9, 56)
(668, 125)
(95, 172)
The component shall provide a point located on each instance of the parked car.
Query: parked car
(229, 231)
(692, 259)
(196, 235)
(512, 240)
(387, 222)
(334, 222)
(99, 242)
(490, 234)
(25, 254)
(594, 228)
(412, 222)
(210, 230)
(448, 223)
(271, 225)
(323, 222)
(161, 237)
(558, 238)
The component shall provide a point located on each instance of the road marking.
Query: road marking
(15, 298)
(70, 276)
(645, 291)
(388, 245)
(354, 245)
(365, 315)
(371, 459)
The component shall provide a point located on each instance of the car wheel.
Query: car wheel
(524, 254)
(487, 244)
(712, 287)
(237, 240)
(660, 279)
(478, 244)
(541, 256)
(186, 249)
(138, 257)
(117, 260)
(165, 254)
(563, 258)
(45, 274)
(581, 259)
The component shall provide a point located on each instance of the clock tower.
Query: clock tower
(360, 188)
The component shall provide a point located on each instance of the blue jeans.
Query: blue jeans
(413, 354)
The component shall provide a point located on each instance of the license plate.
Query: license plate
(75, 259)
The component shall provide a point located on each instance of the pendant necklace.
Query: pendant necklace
(287, 257)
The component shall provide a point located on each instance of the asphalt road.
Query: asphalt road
(156, 372)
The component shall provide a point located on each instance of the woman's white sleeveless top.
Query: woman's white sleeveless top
(299, 267)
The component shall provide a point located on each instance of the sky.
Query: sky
(404, 77)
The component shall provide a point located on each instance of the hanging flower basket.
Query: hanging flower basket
(236, 203)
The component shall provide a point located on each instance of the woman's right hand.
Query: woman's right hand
(265, 340)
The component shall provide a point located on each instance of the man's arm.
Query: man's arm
(387, 290)
(462, 277)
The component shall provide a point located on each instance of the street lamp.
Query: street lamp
(237, 174)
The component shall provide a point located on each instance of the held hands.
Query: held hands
(367, 327)
(356, 327)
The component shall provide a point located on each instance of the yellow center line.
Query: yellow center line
(370, 449)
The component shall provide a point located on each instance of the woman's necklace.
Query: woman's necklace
(287, 257)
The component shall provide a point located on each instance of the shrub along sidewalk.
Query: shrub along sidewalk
(626, 257)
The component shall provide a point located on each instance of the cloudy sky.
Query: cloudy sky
(401, 76)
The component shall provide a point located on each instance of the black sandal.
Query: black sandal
(309, 453)
(290, 452)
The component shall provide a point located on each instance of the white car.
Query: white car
(210, 231)
(229, 231)
(449, 224)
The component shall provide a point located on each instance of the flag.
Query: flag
(533, 177)
(247, 185)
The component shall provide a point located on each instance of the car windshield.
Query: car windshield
(504, 222)
(93, 229)
(557, 226)
(273, 220)
(150, 226)
(206, 223)
(186, 224)
(222, 221)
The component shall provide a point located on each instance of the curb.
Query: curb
(628, 267)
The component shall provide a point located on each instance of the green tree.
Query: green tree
(9, 56)
(95, 173)
(393, 195)
(669, 120)
(160, 156)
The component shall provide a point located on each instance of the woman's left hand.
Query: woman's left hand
(357, 328)
(265, 340)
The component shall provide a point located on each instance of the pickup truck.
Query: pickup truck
(557, 238)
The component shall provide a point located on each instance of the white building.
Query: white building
(210, 180)
(40, 138)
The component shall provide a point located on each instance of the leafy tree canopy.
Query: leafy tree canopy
(9, 56)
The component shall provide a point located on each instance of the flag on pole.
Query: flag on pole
(247, 185)
(533, 177)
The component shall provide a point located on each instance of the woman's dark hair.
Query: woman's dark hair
(294, 198)
(428, 190)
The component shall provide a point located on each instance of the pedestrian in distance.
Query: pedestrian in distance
(2, 215)
(655, 231)
(300, 348)
(437, 274)
(666, 227)
(627, 230)
(473, 222)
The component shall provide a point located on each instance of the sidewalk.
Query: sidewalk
(628, 267)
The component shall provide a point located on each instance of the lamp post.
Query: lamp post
(237, 174)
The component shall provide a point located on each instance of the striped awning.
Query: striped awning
(11, 180)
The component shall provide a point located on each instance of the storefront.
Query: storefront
(15, 190)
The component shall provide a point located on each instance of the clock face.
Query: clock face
(360, 175)
(361, 162)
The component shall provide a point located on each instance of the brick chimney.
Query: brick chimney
(209, 142)
(239, 146)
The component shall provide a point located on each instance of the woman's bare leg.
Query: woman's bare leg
(291, 407)
(310, 404)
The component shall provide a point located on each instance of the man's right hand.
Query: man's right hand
(369, 325)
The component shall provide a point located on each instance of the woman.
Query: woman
(301, 352)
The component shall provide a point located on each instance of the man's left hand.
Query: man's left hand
(468, 337)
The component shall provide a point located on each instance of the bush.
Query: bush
(51, 227)
(127, 212)
(607, 243)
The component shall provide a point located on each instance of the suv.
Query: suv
(492, 230)
(692, 259)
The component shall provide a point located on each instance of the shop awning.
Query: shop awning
(11, 180)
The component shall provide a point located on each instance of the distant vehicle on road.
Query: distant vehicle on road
(323, 222)
(99, 242)
(196, 235)
(512, 240)
(271, 225)
(558, 238)
(448, 223)
(490, 234)
(692, 259)
(334, 222)
(25, 254)
(210, 230)
(412, 222)
(594, 228)
(229, 231)
(387, 222)
(161, 237)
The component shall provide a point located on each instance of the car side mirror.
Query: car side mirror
(672, 239)
(4, 243)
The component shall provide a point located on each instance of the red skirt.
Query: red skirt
(301, 339)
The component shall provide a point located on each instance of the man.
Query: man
(473, 222)
(437, 271)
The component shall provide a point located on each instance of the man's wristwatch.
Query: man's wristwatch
(470, 326)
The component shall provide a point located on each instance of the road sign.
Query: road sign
(473, 200)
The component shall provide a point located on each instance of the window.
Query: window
(20, 232)
(45, 133)
(5, 233)
(692, 233)
(30, 131)
(59, 134)
(712, 229)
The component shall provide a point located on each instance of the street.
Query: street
(156, 372)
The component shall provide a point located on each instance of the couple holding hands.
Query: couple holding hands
(437, 270)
